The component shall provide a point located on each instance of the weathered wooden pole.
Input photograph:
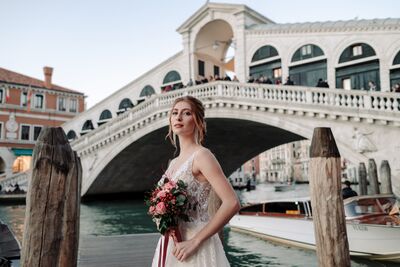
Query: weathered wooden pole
(386, 179)
(327, 201)
(362, 179)
(373, 177)
(52, 212)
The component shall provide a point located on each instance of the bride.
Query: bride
(212, 201)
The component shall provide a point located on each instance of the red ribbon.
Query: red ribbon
(176, 237)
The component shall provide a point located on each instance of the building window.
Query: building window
(24, 99)
(201, 67)
(1, 130)
(36, 132)
(216, 70)
(357, 50)
(306, 50)
(38, 101)
(62, 104)
(277, 73)
(1, 95)
(73, 105)
(25, 132)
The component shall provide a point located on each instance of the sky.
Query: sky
(98, 46)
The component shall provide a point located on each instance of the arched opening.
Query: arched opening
(266, 66)
(363, 74)
(87, 127)
(308, 66)
(171, 81)
(395, 74)
(214, 52)
(71, 135)
(147, 91)
(105, 116)
(124, 105)
(22, 163)
(2, 166)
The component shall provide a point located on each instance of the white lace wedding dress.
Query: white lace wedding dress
(210, 253)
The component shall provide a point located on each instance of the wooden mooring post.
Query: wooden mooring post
(373, 178)
(327, 201)
(386, 179)
(362, 179)
(52, 211)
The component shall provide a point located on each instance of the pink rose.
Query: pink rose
(168, 186)
(160, 208)
(161, 194)
(152, 210)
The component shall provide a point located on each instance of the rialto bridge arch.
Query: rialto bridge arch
(129, 153)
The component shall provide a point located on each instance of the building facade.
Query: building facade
(26, 106)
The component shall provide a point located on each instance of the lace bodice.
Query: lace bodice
(198, 192)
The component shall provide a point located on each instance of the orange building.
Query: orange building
(26, 106)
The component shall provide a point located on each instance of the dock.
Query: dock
(117, 251)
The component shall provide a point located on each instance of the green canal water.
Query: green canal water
(129, 217)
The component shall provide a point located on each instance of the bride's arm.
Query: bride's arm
(208, 167)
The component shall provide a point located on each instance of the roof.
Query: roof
(12, 77)
(388, 23)
(223, 7)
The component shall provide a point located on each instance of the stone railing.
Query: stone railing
(20, 178)
(383, 106)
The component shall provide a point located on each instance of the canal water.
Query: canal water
(129, 216)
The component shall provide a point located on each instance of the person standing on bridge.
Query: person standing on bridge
(212, 200)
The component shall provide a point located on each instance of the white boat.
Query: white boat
(372, 233)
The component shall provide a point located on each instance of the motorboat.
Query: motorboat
(372, 232)
(10, 248)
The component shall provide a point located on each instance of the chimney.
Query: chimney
(48, 72)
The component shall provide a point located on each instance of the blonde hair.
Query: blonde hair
(199, 121)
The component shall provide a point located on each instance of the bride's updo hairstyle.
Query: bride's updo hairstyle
(198, 112)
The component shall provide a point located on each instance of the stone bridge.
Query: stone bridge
(130, 152)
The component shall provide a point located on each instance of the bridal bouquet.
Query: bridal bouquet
(167, 203)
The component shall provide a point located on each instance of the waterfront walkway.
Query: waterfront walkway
(120, 250)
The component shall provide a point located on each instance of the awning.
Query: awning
(22, 151)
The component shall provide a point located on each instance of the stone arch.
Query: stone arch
(212, 44)
(299, 130)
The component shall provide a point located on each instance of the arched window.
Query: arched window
(71, 135)
(104, 117)
(307, 51)
(87, 127)
(147, 91)
(311, 72)
(395, 74)
(125, 104)
(172, 81)
(264, 52)
(396, 60)
(360, 75)
(265, 66)
(356, 51)
(171, 77)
